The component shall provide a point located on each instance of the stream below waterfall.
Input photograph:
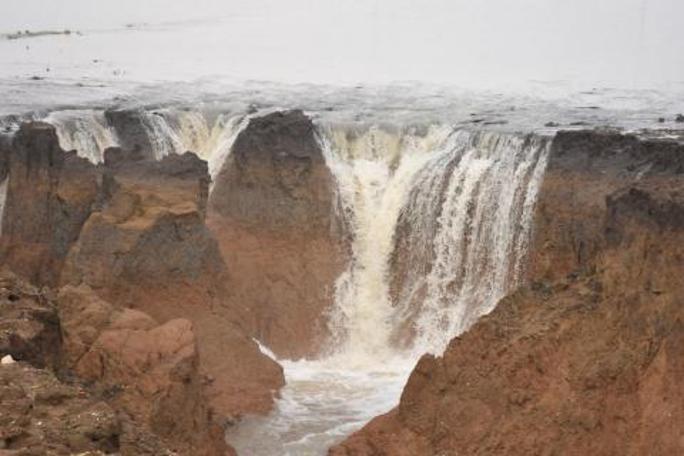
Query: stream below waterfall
(322, 402)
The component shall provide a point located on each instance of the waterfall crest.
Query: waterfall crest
(3, 199)
(85, 131)
(168, 131)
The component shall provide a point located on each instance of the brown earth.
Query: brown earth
(584, 168)
(586, 360)
(147, 370)
(41, 413)
(29, 324)
(271, 211)
(148, 248)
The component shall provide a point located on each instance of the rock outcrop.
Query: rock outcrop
(41, 413)
(50, 195)
(271, 212)
(148, 248)
(132, 230)
(586, 360)
(147, 370)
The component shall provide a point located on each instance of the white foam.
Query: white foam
(3, 199)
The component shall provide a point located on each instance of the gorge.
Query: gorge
(478, 281)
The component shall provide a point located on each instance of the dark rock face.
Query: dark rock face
(587, 363)
(50, 195)
(150, 229)
(585, 167)
(276, 176)
(271, 211)
(130, 129)
(5, 147)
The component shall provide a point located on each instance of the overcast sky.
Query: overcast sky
(631, 43)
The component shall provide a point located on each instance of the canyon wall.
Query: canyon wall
(588, 358)
(584, 168)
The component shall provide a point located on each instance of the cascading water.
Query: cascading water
(439, 220)
(169, 131)
(175, 132)
(85, 131)
(220, 142)
(470, 208)
(3, 199)
(374, 171)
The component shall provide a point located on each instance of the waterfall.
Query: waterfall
(220, 142)
(3, 199)
(85, 131)
(373, 169)
(439, 219)
(179, 131)
(174, 132)
(478, 241)
(169, 131)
